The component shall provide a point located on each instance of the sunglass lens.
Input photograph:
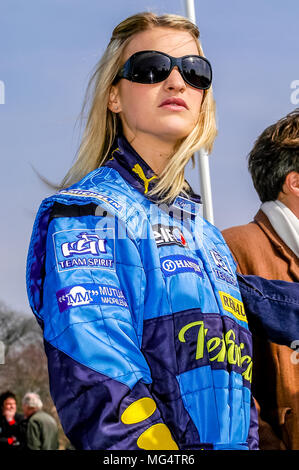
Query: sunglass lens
(197, 72)
(150, 68)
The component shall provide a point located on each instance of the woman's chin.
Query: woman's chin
(174, 134)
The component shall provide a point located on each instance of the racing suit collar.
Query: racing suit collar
(135, 170)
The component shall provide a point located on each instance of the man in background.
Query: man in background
(41, 429)
(269, 247)
(9, 422)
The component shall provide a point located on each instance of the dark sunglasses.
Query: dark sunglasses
(153, 67)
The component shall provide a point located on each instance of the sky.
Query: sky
(48, 49)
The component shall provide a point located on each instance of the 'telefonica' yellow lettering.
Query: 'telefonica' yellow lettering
(225, 348)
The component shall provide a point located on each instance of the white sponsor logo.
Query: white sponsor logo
(180, 264)
(89, 294)
(78, 295)
(169, 265)
(220, 261)
(86, 243)
(92, 249)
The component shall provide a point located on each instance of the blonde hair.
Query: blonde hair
(102, 124)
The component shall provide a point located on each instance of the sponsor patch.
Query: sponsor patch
(165, 235)
(77, 249)
(215, 341)
(85, 193)
(89, 294)
(221, 268)
(175, 264)
(233, 305)
(186, 205)
(146, 181)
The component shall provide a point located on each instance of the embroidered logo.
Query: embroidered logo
(76, 249)
(175, 264)
(187, 205)
(89, 294)
(221, 268)
(139, 171)
(165, 235)
(92, 194)
(222, 349)
(233, 305)
(86, 243)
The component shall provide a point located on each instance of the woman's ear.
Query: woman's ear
(114, 100)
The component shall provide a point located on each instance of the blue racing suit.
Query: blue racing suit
(145, 330)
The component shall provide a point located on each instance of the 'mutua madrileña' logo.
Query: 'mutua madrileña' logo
(90, 294)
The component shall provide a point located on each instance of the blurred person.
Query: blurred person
(145, 330)
(269, 247)
(41, 429)
(10, 435)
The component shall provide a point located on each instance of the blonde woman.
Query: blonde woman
(145, 330)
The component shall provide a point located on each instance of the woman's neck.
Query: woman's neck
(155, 152)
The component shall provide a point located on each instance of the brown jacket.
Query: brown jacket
(259, 250)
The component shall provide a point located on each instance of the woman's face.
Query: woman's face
(139, 105)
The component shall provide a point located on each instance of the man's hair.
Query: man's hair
(274, 155)
(4, 396)
(32, 400)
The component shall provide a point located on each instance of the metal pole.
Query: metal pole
(190, 10)
(203, 157)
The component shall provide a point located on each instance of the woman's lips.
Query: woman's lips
(175, 104)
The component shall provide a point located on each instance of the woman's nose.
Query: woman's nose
(175, 81)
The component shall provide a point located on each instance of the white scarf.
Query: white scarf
(284, 222)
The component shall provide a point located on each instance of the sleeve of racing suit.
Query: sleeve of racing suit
(272, 307)
(92, 315)
(253, 435)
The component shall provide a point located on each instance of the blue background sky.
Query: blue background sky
(47, 51)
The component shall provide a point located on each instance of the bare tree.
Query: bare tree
(24, 368)
(16, 329)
